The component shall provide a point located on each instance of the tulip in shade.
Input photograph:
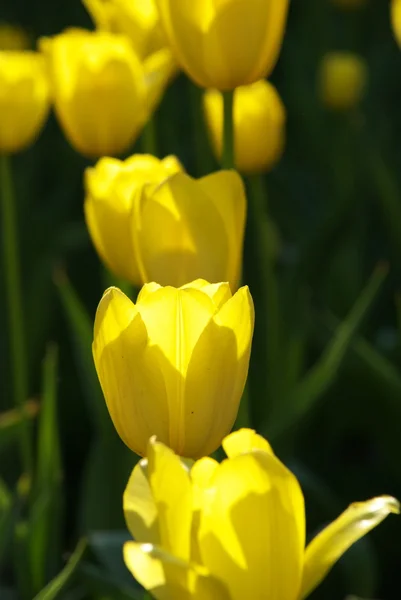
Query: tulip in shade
(13, 37)
(174, 364)
(396, 19)
(259, 125)
(111, 190)
(226, 44)
(138, 19)
(342, 80)
(24, 99)
(103, 93)
(233, 530)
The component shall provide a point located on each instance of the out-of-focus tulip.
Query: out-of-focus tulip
(349, 4)
(138, 19)
(232, 530)
(111, 190)
(24, 99)
(224, 45)
(396, 19)
(259, 125)
(175, 363)
(103, 93)
(343, 79)
(13, 37)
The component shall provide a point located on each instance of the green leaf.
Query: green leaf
(64, 578)
(6, 519)
(107, 546)
(11, 421)
(103, 585)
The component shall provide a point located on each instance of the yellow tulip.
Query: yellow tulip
(233, 530)
(173, 231)
(349, 4)
(13, 37)
(226, 44)
(342, 80)
(259, 125)
(103, 93)
(111, 190)
(396, 19)
(174, 364)
(24, 99)
(138, 19)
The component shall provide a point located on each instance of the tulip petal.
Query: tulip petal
(139, 506)
(171, 490)
(169, 578)
(244, 441)
(218, 292)
(130, 372)
(159, 70)
(181, 235)
(329, 545)
(252, 530)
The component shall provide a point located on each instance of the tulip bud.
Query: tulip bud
(138, 19)
(24, 99)
(259, 126)
(396, 19)
(349, 4)
(342, 80)
(174, 364)
(103, 94)
(111, 190)
(226, 44)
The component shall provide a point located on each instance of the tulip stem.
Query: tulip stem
(14, 305)
(228, 161)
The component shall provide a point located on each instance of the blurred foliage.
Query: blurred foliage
(324, 228)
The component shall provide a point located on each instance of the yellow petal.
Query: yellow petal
(329, 545)
(252, 530)
(201, 475)
(216, 375)
(140, 509)
(159, 70)
(396, 19)
(169, 578)
(218, 292)
(130, 371)
(243, 441)
(181, 235)
(172, 494)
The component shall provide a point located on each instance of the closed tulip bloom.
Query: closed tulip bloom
(174, 364)
(232, 530)
(396, 19)
(111, 190)
(103, 93)
(138, 19)
(24, 99)
(342, 80)
(226, 44)
(259, 126)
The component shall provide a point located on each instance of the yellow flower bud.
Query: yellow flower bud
(342, 80)
(138, 19)
(174, 364)
(103, 93)
(24, 99)
(226, 44)
(111, 189)
(396, 19)
(13, 37)
(259, 125)
(349, 4)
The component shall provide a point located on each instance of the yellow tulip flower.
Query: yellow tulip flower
(349, 4)
(13, 37)
(24, 99)
(173, 230)
(226, 44)
(103, 93)
(232, 530)
(174, 364)
(259, 125)
(138, 19)
(342, 80)
(396, 19)
(111, 190)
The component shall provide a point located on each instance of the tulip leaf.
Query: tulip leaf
(6, 518)
(102, 584)
(11, 421)
(107, 546)
(64, 578)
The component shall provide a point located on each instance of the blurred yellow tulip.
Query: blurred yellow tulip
(103, 93)
(396, 19)
(226, 44)
(138, 19)
(349, 4)
(111, 190)
(175, 363)
(13, 37)
(259, 126)
(343, 79)
(232, 530)
(24, 99)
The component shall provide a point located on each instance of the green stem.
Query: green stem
(14, 305)
(228, 161)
